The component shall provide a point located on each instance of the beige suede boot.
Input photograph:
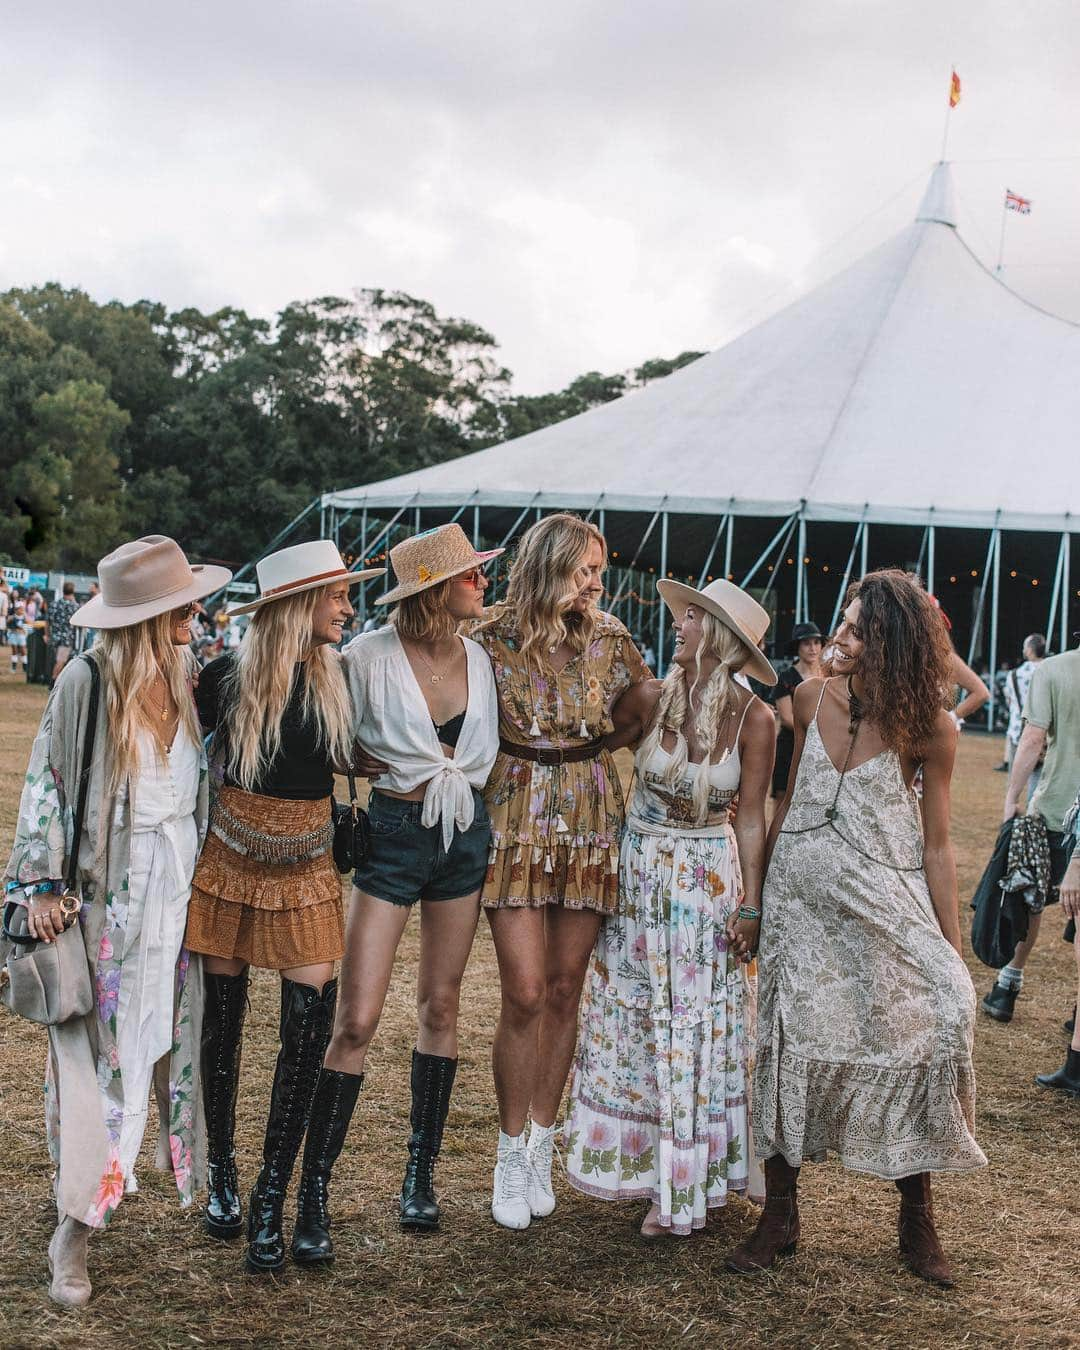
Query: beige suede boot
(70, 1284)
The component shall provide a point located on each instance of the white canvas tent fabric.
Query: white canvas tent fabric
(912, 388)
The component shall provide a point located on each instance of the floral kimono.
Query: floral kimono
(86, 1101)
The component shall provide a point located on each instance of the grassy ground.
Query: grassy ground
(581, 1277)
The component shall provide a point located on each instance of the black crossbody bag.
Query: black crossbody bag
(352, 831)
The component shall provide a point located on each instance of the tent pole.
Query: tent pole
(779, 554)
(976, 627)
(660, 609)
(994, 599)
(416, 521)
(362, 597)
(1066, 546)
(800, 572)
(728, 545)
(931, 541)
(864, 563)
(637, 554)
(1057, 586)
(784, 530)
(476, 526)
(712, 551)
(922, 551)
(846, 577)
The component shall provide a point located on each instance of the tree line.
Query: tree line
(119, 420)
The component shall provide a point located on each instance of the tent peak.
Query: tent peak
(939, 199)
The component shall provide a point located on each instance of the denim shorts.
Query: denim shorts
(406, 860)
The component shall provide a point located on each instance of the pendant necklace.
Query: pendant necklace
(437, 676)
(164, 706)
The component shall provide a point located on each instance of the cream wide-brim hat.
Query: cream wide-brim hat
(302, 567)
(426, 559)
(144, 578)
(735, 610)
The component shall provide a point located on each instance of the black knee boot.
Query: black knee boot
(335, 1101)
(432, 1083)
(306, 1020)
(223, 1028)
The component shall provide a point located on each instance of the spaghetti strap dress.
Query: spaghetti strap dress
(866, 1012)
(659, 1101)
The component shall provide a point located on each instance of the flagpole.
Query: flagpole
(1001, 241)
(948, 115)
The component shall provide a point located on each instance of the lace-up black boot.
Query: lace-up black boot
(307, 1017)
(335, 1101)
(222, 1031)
(432, 1083)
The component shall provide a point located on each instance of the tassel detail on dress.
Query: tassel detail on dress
(583, 730)
(534, 728)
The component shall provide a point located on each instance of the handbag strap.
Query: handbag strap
(352, 794)
(84, 772)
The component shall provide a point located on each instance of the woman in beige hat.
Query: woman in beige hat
(426, 709)
(556, 809)
(266, 892)
(145, 815)
(659, 1106)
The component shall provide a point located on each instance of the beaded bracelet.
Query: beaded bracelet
(748, 912)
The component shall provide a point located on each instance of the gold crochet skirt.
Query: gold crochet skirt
(273, 915)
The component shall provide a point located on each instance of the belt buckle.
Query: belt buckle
(551, 756)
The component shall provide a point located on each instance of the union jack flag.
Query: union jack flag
(1014, 202)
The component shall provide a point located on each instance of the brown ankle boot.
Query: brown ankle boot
(919, 1245)
(777, 1231)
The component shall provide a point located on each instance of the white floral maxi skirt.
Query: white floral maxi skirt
(659, 1105)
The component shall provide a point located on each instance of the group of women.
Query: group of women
(495, 787)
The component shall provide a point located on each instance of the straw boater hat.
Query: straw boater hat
(145, 578)
(431, 557)
(301, 567)
(735, 610)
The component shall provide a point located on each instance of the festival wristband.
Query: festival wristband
(29, 888)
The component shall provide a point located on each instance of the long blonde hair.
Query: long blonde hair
(256, 691)
(130, 660)
(719, 698)
(544, 580)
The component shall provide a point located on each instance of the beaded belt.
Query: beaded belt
(269, 848)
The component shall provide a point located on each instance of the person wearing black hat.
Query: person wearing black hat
(805, 646)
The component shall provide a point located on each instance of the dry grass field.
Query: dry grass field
(581, 1278)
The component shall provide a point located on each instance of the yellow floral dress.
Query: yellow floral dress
(556, 828)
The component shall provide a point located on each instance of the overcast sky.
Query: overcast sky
(594, 181)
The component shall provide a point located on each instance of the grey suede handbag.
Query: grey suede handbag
(49, 982)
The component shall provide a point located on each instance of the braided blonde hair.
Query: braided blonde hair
(719, 698)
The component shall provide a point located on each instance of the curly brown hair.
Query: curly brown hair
(906, 658)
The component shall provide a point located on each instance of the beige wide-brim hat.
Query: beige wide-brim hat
(144, 578)
(433, 556)
(302, 567)
(735, 610)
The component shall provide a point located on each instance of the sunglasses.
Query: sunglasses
(475, 578)
(185, 612)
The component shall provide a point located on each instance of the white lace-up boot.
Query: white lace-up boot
(540, 1149)
(510, 1203)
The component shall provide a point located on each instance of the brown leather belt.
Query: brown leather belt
(552, 755)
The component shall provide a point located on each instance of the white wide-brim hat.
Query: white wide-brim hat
(425, 559)
(735, 610)
(144, 578)
(302, 567)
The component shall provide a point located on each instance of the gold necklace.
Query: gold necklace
(162, 704)
(437, 676)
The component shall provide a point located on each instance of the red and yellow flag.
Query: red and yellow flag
(954, 90)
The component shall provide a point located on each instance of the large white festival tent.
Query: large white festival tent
(912, 410)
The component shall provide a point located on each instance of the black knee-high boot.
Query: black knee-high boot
(432, 1083)
(223, 1029)
(335, 1101)
(307, 1017)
